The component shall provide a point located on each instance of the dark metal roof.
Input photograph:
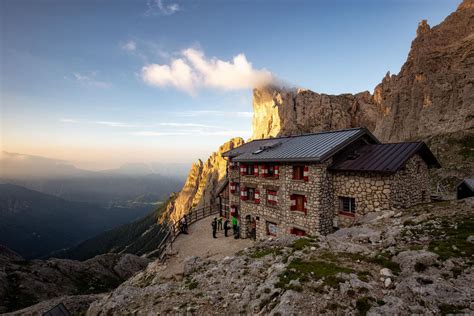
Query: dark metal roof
(308, 147)
(58, 310)
(468, 182)
(384, 157)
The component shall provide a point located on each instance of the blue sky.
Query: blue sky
(101, 83)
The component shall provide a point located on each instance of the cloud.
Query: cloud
(186, 125)
(114, 124)
(67, 120)
(129, 46)
(214, 113)
(90, 80)
(160, 7)
(193, 133)
(192, 70)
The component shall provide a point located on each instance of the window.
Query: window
(300, 172)
(272, 229)
(297, 232)
(269, 171)
(248, 170)
(272, 197)
(250, 194)
(234, 187)
(347, 206)
(298, 202)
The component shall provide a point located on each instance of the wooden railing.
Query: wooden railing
(174, 228)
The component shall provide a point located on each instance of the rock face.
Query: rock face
(202, 183)
(433, 93)
(24, 283)
(418, 261)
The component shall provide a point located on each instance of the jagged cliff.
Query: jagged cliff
(432, 94)
(202, 183)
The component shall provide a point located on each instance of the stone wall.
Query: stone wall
(411, 184)
(370, 190)
(379, 191)
(280, 214)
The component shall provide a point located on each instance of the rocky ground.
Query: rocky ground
(27, 282)
(414, 261)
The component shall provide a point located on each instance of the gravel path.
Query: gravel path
(199, 242)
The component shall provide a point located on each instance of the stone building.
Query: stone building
(311, 183)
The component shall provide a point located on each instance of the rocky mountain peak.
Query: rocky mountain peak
(466, 4)
(431, 95)
(423, 27)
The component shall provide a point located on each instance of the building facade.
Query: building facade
(309, 184)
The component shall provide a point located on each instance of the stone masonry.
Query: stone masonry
(371, 191)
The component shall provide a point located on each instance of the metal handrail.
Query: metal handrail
(192, 216)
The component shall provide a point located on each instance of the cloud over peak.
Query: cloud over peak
(192, 70)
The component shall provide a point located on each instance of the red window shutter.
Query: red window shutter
(255, 170)
(242, 169)
(243, 194)
(306, 173)
(264, 171)
(277, 172)
(304, 204)
(257, 196)
(292, 202)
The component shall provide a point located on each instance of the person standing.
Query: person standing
(214, 227)
(226, 226)
(234, 225)
(219, 223)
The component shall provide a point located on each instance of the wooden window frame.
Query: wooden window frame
(274, 201)
(351, 208)
(298, 172)
(297, 231)
(301, 206)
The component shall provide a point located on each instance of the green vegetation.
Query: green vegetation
(383, 259)
(130, 238)
(262, 252)
(302, 243)
(467, 146)
(304, 270)
(451, 239)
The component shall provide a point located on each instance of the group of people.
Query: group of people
(217, 224)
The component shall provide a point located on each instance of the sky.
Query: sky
(107, 82)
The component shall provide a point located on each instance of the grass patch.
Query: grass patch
(262, 252)
(301, 243)
(383, 260)
(451, 241)
(304, 270)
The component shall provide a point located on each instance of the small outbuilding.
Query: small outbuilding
(465, 189)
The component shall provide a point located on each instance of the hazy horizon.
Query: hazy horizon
(169, 80)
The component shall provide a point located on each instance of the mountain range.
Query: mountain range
(34, 224)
